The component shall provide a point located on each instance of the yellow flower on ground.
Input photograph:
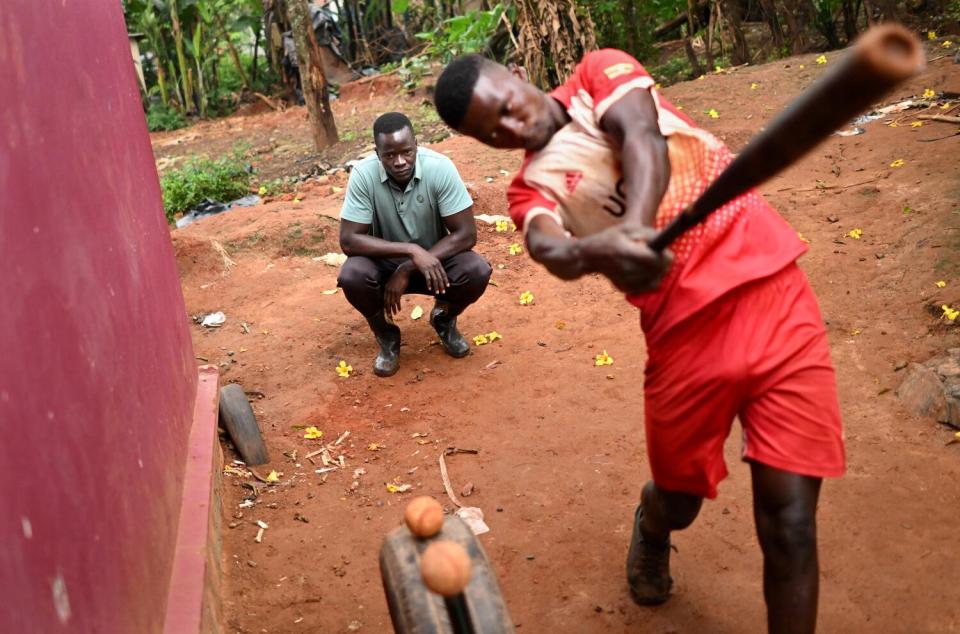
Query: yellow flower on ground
(481, 340)
(502, 226)
(822, 60)
(802, 66)
(373, 446)
(312, 433)
(273, 477)
(855, 332)
(947, 44)
(713, 114)
(894, 124)
(855, 233)
(344, 370)
(515, 249)
(513, 226)
(929, 93)
(916, 124)
(603, 359)
(526, 298)
(931, 35)
(802, 238)
(493, 336)
(262, 191)
(701, 77)
(754, 86)
(945, 106)
(941, 284)
(949, 313)
(898, 163)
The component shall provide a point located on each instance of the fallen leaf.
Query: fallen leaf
(802, 238)
(417, 312)
(331, 291)
(312, 433)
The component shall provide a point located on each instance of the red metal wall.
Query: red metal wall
(97, 377)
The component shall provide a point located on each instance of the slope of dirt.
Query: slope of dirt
(561, 448)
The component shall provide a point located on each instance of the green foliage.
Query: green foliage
(163, 117)
(462, 34)
(222, 179)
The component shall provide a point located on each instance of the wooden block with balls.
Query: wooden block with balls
(437, 578)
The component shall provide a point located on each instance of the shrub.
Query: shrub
(163, 117)
(223, 179)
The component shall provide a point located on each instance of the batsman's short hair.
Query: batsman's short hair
(390, 122)
(455, 86)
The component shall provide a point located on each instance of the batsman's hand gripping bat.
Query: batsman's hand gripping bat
(883, 57)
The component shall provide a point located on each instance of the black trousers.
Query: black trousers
(364, 279)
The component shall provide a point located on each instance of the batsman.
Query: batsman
(732, 326)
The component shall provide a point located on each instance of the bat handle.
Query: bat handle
(674, 230)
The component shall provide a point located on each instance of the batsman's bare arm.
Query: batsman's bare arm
(632, 124)
(620, 252)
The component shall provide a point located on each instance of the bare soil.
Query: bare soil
(561, 448)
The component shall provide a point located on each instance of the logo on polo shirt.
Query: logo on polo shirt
(420, 198)
(573, 179)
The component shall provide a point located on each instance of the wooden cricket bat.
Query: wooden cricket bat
(880, 59)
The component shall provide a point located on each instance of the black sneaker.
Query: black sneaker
(648, 567)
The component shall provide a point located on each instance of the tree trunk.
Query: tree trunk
(312, 79)
(182, 59)
(770, 17)
(741, 51)
(692, 28)
(233, 51)
(708, 40)
(553, 38)
(256, 49)
(162, 82)
(849, 20)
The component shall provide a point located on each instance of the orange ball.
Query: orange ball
(424, 516)
(445, 567)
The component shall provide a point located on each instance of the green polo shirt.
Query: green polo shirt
(413, 214)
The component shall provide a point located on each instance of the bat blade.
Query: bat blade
(883, 57)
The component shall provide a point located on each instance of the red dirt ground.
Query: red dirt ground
(561, 449)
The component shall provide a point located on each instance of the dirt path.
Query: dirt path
(562, 455)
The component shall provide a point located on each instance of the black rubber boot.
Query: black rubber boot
(388, 338)
(445, 323)
(648, 567)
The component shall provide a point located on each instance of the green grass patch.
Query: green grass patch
(222, 179)
(162, 117)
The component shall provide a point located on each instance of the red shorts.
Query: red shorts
(759, 352)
